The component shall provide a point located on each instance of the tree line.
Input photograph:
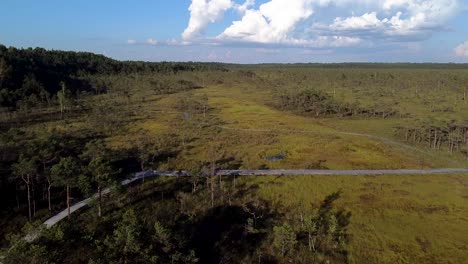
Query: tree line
(437, 134)
(48, 171)
(35, 75)
(319, 104)
(48, 164)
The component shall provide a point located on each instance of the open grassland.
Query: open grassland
(242, 119)
(395, 219)
(249, 131)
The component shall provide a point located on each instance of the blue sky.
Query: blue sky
(244, 31)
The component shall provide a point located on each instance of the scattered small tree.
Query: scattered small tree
(326, 230)
(65, 173)
(284, 238)
(124, 245)
(48, 150)
(64, 98)
(104, 175)
(26, 169)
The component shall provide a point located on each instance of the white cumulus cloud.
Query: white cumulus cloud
(397, 19)
(204, 12)
(366, 21)
(462, 49)
(151, 41)
(271, 23)
(131, 41)
(307, 22)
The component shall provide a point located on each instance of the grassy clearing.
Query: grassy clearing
(410, 219)
(257, 131)
(304, 141)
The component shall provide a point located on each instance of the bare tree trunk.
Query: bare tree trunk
(33, 198)
(29, 202)
(221, 188)
(302, 220)
(48, 193)
(68, 200)
(27, 180)
(466, 144)
(212, 190)
(464, 95)
(100, 201)
(194, 184)
(17, 198)
(213, 170)
(212, 181)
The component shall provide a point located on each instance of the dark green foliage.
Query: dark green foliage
(149, 228)
(284, 239)
(134, 241)
(66, 172)
(23, 252)
(320, 237)
(124, 245)
(25, 170)
(330, 232)
(150, 149)
(29, 77)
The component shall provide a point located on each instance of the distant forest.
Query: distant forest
(364, 65)
(34, 76)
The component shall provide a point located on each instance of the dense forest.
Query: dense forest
(73, 124)
(31, 77)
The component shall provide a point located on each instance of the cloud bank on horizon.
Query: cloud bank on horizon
(462, 49)
(321, 23)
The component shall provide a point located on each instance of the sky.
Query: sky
(244, 31)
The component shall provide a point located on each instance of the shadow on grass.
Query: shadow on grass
(221, 235)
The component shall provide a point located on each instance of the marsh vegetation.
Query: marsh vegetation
(72, 124)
